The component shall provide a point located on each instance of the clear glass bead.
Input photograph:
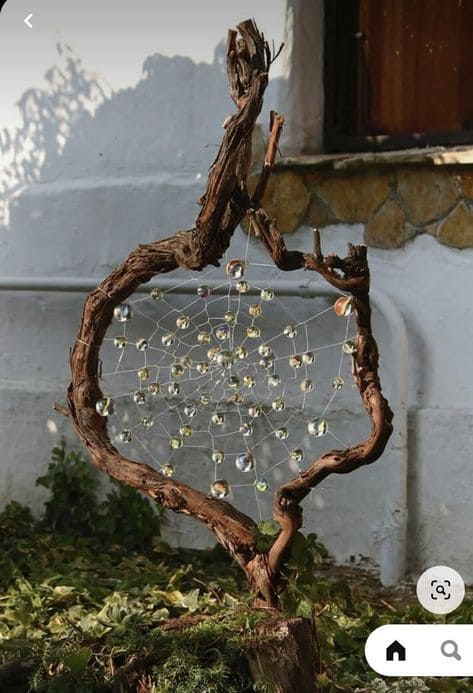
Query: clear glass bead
(185, 430)
(175, 442)
(317, 427)
(190, 409)
(290, 331)
(343, 306)
(238, 398)
(186, 361)
(183, 322)
(253, 332)
(174, 389)
(203, 367)
(147, 421)
(139, 397)
(240, 353)
(230, 317)
(281, 433)
(125, 436)
(167, 339)
(245, 462)
(308, 357)
(267, 294)
(248, 381)
(203, 338)
(349, 347)
(220, 488)
(265, 350)
(205, 398)
(306, 385)
(278, 404)
(338, 382)
(105, 406)
(233, 381)
(203, 291)
(212, 353)
(242, 287)
(120, 342)
(266, 363)
(295, 360)
(177, 370)
(296, 455)
(143, 373)
(255, 310)
(274, 380)
(222, 332)
(168, 470)
(225, 359)
(154, 388)
(255, 410)
(218, 456)
(261, 485)
(246, 428)
(123, 312)
(156, 294)
(235, 269)
(142, 344)
(218, 418)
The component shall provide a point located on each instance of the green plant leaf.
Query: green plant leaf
(77, 661)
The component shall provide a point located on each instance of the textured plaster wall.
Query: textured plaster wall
(131, 173)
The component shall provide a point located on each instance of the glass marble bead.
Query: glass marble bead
(167, 470)
(295, 361)
(142, 344)
(167, 339)
(183, 322)
(265, 350)
(278, 404)
(245, 462)
(177, 370)
(203, 291)
(205, 398)
(185, 430)
(156, 294)
(174, 389)
(154, 388)
(242, 287)
(296, 455)
(212, 353)
(266, 363)
(233, 381)
(218, 456)
(220, 488)
(238, 398)
(290, 331)
(267, 294)
(105, 406)
(225, 359)
(203, 367)
(143, 373)
(240, 353)
(218, 418)
(235, 269)
(281, 433)
(349, 347)
(222, 332)
(125, 436)
(255, 310)
(147, 421)
(175, 442)
(308, 357)
(261, 485)
(123, 312)
(246, 428)
(317, 427)
(248, 381)
(139, 397)
(186, 361)
(274, 380)
(253, 332)
(230, 317)
(120, 342)
(203, 338)
(338, 382)
(306, 385)
(190, 409)
(255, 410)
(343, 306)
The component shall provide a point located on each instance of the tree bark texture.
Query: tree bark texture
(224, 203)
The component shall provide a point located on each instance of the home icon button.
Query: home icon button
(395, 651)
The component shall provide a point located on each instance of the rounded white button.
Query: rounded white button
(440, 589)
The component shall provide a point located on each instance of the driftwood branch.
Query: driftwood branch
(224, 204)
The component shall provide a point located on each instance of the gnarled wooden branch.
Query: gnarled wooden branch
(224, 203)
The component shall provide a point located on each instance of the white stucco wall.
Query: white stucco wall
(131, 173)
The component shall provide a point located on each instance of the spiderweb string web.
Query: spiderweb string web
(224, 384)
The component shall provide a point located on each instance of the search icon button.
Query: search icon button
(449, 648)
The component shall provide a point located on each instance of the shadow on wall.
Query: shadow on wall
(78, 137)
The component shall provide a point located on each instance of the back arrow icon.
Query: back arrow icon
(27, 20)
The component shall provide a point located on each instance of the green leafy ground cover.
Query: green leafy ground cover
(87, 591)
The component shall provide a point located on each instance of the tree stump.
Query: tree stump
(287, 656)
